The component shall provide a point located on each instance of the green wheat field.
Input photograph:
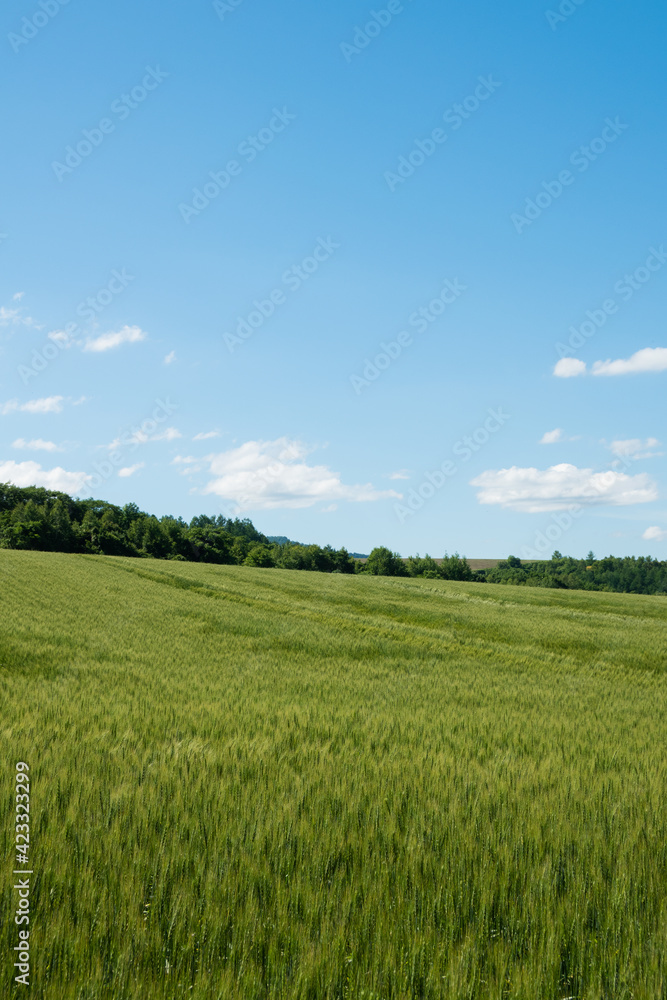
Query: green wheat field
(263, 784)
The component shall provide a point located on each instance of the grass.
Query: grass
(258, 784)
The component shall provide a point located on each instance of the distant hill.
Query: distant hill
(283, 540)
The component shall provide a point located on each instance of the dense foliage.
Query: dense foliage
(627, 575)
(48, 521)
(45, 520)
(384, 562)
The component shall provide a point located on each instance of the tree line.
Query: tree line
(49, 521)
(46, 520)
(625, 575)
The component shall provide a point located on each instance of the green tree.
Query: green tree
(210, 544)
(88, 532)
(456, 567)
(383, 562)
(260, 555)
(60, 527)
(426, 567)
(29, 527)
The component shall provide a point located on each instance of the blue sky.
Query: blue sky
(367, 275)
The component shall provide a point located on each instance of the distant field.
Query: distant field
(473, 563)
(270, 784)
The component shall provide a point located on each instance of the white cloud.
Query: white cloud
(569, 368)
(170, 357)
(650, 359)
(206, 436)
(171, 434)
(36, 445)
(401, 474)
(189, 464)
(8, 316)
(264, 475)
(655, 534)
(551, 437)
(635, 448)
(137, 438)
(15, 317)
(140, 437)
(129, 470)
(107, 341)
(558, 487)
(62, 338)
(32, 474)
(49, 404)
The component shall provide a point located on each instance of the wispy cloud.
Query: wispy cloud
(49, 404)
(170, 357)
(62, 338)
(189, 464)
(171, 434)
(635, 448)
(206, 436)
(129, 470)
(8, 316)
(560, 486)
(401, 474)
(140, 437)
(16, 317)
(109, 341)
(37, 444)
(655, 534)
